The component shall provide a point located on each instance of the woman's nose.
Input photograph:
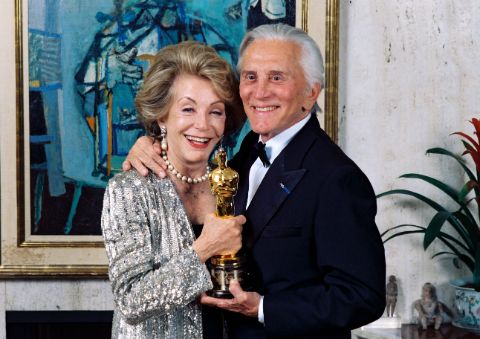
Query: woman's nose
(201, 120)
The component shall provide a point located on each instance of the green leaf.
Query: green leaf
(466, 259)
(401, 226)
(469, 185)
(470, 226)
(451, 192)
(445, 238)
(433, 229)
(457, 242)
(420, 197)
(463, 258)
(422, 229)
(443, 253)
(401, 233)
(459, 159)
(454, 222)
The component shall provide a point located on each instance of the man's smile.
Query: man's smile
(265, 108)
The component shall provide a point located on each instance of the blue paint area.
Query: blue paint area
(46, 88)
(44, 33)
(53, 154)
(103, 132)
(41, 139)
(125, 127)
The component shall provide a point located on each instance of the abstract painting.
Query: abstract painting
(86, 62)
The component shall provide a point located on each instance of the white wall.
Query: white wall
(409, 77)
(407, 80)
(53, 295)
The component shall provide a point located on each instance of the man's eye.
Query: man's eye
(250, 76)
(276, 78)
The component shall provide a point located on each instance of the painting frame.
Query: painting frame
(83, 256)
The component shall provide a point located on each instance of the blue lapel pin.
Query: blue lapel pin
(285, 188)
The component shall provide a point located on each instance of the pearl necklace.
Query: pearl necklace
(182, 177)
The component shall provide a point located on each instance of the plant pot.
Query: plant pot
(467, 305)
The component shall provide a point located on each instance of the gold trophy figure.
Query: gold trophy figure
(224, 185)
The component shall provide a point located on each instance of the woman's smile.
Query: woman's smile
(198, 142)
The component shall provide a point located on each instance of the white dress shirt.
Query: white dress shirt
(273, 147)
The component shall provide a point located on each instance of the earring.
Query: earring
(163, 139)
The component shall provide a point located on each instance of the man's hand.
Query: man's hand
(146, 154)
(243, 302)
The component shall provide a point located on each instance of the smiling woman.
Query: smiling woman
(195, 121)
(159, 232)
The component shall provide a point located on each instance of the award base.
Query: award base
(223, 269)
(220, 294)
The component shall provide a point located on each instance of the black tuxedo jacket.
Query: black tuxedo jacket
(311, 242)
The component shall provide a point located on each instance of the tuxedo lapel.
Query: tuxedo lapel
(242, 163)
(240, 199)
(281, 179)
(274, 189)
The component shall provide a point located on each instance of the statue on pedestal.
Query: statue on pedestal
(392, 293)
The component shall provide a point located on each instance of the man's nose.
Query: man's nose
(262, 90)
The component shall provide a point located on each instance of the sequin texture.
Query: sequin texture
(155, 274)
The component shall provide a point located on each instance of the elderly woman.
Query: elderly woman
(159, 232)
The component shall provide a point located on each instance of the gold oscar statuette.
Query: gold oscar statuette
(224, 185)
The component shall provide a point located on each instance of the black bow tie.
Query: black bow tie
(258, 151)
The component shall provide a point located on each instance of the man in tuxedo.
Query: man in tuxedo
(311, 241)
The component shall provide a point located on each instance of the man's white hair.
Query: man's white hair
(311, 58)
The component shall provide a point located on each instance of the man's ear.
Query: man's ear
(311, 95)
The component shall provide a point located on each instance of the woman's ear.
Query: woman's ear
(161, 122)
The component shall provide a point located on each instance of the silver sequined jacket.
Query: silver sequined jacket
(154, 272)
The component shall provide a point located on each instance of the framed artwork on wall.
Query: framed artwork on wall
(78, 67)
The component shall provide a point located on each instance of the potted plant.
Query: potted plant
(464, 242)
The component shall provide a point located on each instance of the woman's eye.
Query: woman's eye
(219, 113)
(187, 109)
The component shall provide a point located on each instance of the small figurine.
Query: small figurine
(429, 308)
(392, 292)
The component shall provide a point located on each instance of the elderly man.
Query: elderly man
(311, 241)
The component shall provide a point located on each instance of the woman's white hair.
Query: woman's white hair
(311, 57)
